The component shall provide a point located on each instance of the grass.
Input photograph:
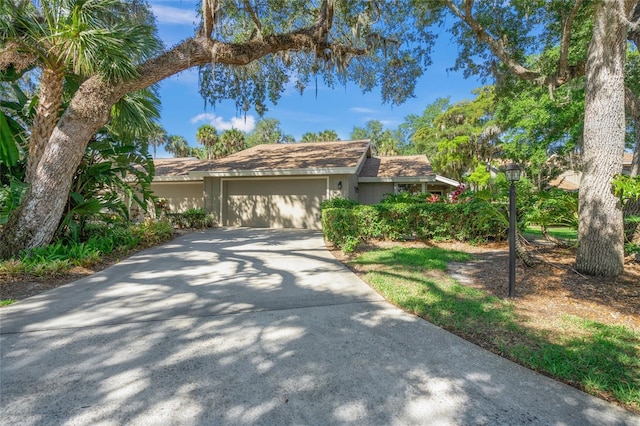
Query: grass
(562, 232)
(601, 359)
(5, 302)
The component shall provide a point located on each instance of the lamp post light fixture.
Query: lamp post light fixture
(513, 175)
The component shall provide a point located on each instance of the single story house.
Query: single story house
(569, 180)
(282, 185)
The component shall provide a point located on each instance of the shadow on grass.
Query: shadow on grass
(601, 359)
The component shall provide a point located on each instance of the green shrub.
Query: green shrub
(472, 220)
(338, 203)
(13, 267)
(191, 218)
(339, 225)
(152, 232)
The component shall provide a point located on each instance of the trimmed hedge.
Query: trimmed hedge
(191, 218)
(472, 220)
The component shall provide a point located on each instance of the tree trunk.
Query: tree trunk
(600, 233)
(35, 222)
(46, 117)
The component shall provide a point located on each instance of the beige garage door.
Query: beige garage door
(277, 203)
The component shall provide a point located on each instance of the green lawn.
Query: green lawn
(601, 359)
(562, 232)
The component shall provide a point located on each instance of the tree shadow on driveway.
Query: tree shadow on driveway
(239, 326)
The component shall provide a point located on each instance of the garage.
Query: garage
(273, 203)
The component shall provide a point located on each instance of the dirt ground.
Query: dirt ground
(548, 290)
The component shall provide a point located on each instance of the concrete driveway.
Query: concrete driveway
(247, 326)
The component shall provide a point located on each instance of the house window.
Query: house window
(411, 188)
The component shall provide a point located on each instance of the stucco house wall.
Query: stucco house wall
(180, 196)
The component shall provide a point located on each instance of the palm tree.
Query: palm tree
(156, 137)
(232, 141)
(178, 146)
(207, 135)
(73, 37)
(328, 135)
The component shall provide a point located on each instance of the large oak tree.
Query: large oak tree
(246, 50)
(551, 43)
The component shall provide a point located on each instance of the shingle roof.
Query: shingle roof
(176, 166)
(397, 166)
(569, 181)
(314, 155)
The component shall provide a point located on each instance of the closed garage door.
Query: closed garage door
(277, 203)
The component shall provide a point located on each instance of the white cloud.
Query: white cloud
(174, 15)
(361, 110)
(241, 123)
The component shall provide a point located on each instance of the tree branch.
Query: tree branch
(254, 17)
(496, 46)
(563, 62)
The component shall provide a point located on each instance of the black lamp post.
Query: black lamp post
(513, 175)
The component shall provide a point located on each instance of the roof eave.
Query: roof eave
(275, 172)
(176, 179)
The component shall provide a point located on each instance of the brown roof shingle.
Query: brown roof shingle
(397, 166)
(315, 155)
(176, 166)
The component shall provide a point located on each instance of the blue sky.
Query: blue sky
(339, 109)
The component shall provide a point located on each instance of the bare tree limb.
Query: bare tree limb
(496, 46)
(567, 27)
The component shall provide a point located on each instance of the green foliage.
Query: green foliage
(9, 153)
(397, 51)
(267, 131)
(601, 359)
(383, 141)
(340, 227)
(178, 146)
(338, 202)
(422, 134)
(471, 220)
(10, 197)
(207, 135)
(152, 232)
(552, 207)
(322, 136)
(105, 37)
(626, 188)
(57, 258)
(191, 218)
(467, 136)
(113, 175)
